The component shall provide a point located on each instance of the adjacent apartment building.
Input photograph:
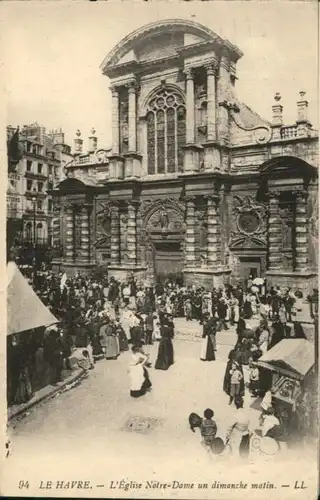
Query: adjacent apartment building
(36, 162)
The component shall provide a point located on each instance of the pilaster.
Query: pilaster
(214, 233)
(85, 232)
(301, 232)
(115, 234)
(190, 240)
(69, 237)
(190, 111)
(132, 233)
(274, 233)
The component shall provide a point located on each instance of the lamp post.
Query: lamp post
(34, 203)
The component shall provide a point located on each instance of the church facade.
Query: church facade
(196, 185)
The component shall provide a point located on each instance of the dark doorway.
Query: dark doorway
(250, 266)
(168, 260)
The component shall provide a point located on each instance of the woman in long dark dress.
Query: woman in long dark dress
(165, 351)
(207, 345)
(234, 355)
(241, 327)
(278, 333)
(123, 341)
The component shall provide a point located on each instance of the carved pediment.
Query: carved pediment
(248, 243)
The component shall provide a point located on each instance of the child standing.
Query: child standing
(253, 378)
(236, 377)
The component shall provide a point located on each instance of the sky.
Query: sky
(52, 53)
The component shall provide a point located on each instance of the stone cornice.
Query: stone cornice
(158, 27)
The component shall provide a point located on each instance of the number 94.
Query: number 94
(23, 484)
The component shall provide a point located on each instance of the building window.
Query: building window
(50, 170)
(166, 132)
(50, 206)
(39, 205)
(40, 231)
(40, 187)
(29, 166)
(28, 231)
(29, 185)
(34, 149)
(40, 168)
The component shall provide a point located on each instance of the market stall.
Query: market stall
(27, 318)
(291, 362)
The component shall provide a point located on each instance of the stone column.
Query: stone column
(115, 121)
(85, 233)
(301, 232)
(115, 234)
(190, 238)
(211, 101)
(223, 95)
(69, 240)
(132, 117)
(213, 220)
(132, 233)
(190, 121)
(275, 232)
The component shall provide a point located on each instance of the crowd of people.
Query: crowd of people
(102, 318)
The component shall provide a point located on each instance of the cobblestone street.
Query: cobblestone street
(106, 434)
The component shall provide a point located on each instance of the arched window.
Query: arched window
(166, 126)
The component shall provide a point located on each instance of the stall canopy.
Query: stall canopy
(291, 357)
(24, 308)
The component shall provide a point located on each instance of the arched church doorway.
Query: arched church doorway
(163, 239)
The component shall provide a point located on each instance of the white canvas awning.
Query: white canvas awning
(291, 357)
(24, 308)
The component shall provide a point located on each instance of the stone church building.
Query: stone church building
(196, 185)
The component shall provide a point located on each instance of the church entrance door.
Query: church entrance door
(250, 266)
(168, 261)
(163, 237)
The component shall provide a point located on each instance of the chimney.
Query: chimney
(78, 143)
(57, 136)
(93, 142)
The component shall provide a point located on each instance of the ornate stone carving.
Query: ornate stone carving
(67, 205)
(212, 67)
(101, 156)
(189, 72)
(263, 132)
(249, 224)
(103, 224)
(287, 220)
(164, 215)
(200, 215)
(314, 217)
(302, 196)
